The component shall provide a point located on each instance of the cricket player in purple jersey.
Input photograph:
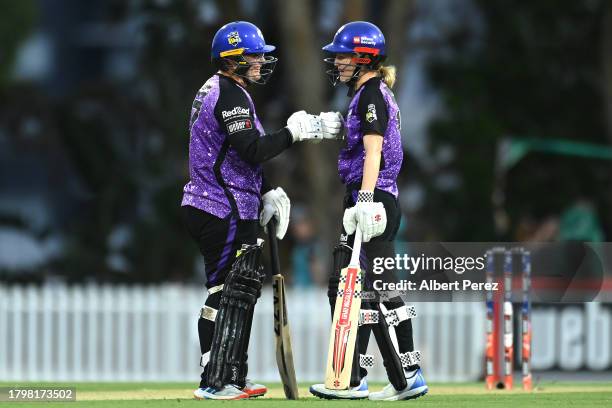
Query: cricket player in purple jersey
(368, 166)
(227, 199)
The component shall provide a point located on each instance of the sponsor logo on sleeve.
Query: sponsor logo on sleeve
(236, 112)
(371, 113)
(239, 126)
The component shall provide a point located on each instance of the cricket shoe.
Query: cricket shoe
(416, 388)
(228, 392)
(253, 389)
(358, 392)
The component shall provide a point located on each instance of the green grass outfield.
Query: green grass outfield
(152, 395)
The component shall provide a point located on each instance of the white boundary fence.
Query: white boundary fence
(149, 333)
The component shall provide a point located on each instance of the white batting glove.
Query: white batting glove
(277, 204)
(368, 216)
(306, 127)
(333, 125)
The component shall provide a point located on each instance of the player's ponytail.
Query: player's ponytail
(387, 72)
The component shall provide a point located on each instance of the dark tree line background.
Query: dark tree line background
(98, 155)
(540, 69)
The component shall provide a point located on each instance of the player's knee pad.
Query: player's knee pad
(241, 290)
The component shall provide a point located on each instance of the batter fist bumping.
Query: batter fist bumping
(306, 127)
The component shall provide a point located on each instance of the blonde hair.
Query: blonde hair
(387, 72)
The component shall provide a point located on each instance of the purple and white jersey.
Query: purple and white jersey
(373, 109)
(225, 149)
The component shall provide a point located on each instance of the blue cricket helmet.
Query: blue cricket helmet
(362, 39)
(358, 37)
(237, 38)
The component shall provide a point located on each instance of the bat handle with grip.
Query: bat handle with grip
(356, 247)
(273, 247)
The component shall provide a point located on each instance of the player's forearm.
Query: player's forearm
(256, 149)
(371, 168)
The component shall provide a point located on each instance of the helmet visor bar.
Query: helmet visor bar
(334, 70)
(256, 70)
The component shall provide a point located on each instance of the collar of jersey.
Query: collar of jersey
(353, 91)
(221, 76)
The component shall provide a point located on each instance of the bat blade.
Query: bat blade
(343, 334)
(284, 353)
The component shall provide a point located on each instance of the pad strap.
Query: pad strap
(396, 316)
(215, 289)
(367, 316)
(208, 313)
(410, 358)
(366, 360)
(205, 359)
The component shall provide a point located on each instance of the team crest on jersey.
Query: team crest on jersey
(371, 113)
(234, 38)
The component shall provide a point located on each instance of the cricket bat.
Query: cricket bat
(284, 354)
(345, 323)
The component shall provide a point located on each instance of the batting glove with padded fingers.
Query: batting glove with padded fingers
(277, 204)
(368, 216)
(304, 126)
(333, 125)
